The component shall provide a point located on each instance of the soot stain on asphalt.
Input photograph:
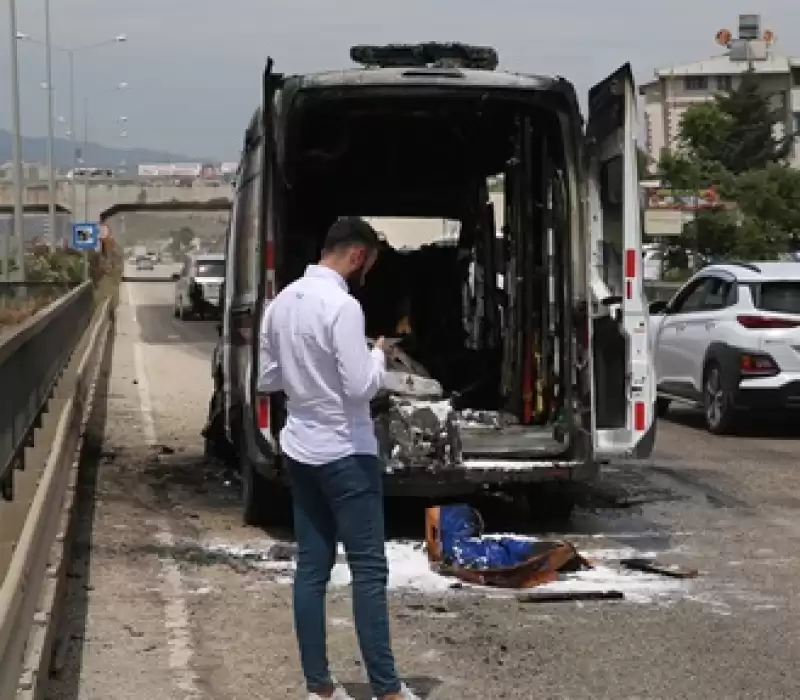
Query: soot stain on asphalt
(693, 479)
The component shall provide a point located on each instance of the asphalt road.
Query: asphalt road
(172, 598)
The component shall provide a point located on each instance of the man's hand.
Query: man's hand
(386, 348)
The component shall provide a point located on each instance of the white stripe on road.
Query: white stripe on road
(173, 590)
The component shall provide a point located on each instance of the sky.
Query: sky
(193, 67)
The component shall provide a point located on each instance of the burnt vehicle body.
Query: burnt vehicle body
(521, 360)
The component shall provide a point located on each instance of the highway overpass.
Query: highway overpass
(103, 195)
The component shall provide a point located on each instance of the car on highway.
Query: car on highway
(729, 341)
(198, 285)
(518, 363)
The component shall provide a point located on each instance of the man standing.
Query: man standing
(313, 348)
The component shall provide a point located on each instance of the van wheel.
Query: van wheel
(662, 407)
(551, 502)
(265, 503)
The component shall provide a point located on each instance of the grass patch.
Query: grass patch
(52, 274)
(15, 311)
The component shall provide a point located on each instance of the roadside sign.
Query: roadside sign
(682, 200)
(85, 236)
(664, 222)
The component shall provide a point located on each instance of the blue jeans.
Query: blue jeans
(341, 501)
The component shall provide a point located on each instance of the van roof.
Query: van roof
(422, 77)
(452, 77)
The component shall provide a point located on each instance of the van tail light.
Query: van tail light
(639, 416)
(262, 409)
(757, 365)
(755, 322)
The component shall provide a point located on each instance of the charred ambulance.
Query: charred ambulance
(523, 357)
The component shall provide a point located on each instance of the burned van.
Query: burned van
(522, 358)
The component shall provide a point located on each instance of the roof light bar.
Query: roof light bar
(431, 54)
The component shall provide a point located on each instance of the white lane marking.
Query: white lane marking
(176, 618)
(145, 405)
(173, 590)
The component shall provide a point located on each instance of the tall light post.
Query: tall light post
(117, 88)
(70, 51)
(51, 165)
(16, 156)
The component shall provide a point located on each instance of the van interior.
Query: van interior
(486, 310)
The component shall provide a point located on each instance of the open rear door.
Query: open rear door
(623, 369)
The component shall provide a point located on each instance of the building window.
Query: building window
(796, 76)
(724, 83)
(695, 82)
(796, 123)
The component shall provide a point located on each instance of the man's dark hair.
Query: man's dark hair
(349, 231)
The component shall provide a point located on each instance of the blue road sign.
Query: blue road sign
(85, 236)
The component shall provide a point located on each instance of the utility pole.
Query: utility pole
(73, 193)
(16, 156)
(51, 166)
(85, 159)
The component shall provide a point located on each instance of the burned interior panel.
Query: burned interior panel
(484, 325)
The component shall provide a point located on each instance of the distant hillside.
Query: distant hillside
(34, 150)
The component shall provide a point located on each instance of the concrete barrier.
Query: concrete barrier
(35, 525)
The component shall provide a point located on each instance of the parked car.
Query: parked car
(729, 341)
(198, 284)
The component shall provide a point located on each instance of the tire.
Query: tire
(185, 314)
(662, 407)
(216, 444)
(176, 311)
(265, 503)
(719, 415)
(551, 502)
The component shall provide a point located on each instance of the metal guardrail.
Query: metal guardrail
(32, 355)
(36, 530)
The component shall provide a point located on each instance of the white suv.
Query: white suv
(730, 340)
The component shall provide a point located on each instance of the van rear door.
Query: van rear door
(622, 356)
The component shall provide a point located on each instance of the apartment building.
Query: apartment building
(676, 88)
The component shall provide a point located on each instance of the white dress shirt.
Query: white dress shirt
(313, 348)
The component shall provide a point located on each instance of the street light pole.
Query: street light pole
(49, 46)
(119, 86)
(86, 270)
(73, 192)
(51, 179)
(16, 156)
(85, 159)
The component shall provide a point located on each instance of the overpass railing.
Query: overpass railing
(32, 356)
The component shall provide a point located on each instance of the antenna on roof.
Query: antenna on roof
(431, 54)
(752, 44)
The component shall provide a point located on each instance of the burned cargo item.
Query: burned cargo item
(498, 379)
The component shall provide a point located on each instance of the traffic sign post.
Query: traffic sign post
(85, 237)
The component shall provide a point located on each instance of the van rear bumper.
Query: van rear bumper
(473, 475)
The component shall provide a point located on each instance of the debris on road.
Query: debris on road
(545, 596)
(651, 566)
(457, 546)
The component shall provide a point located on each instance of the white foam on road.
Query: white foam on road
(410, 570)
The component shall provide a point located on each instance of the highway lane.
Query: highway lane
(172, 598)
